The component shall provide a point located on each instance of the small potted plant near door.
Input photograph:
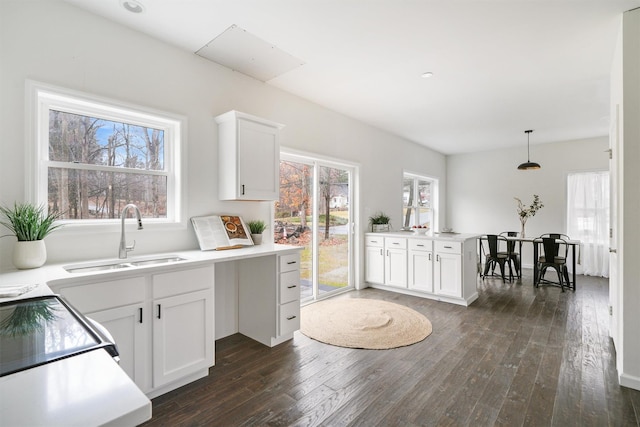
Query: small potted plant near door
(256, 227)
(379, 222)
(30, 224)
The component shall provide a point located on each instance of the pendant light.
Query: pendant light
(529, 165)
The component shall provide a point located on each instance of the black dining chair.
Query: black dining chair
(555, 236)
(554, 255)
(494, 256)
(513, 256)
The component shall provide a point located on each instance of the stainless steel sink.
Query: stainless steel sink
(154, 261)
(122, 263)
(92, 268)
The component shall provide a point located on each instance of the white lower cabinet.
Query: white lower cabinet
(162, 323)
(448, 274)
(179, 351)
(374, 260)
(443, 269)
(128, 328)
(395, 264)
(421, 265)
(269, 298)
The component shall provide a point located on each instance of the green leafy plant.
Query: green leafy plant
(257, 226)
(379, 218)
(28, 222)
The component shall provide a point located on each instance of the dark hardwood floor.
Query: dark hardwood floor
(517, 356)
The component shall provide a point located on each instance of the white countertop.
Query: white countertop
(461, 237)
(88, 389)
(55, 273)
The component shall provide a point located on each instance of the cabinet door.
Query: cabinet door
(448, 274)
(374, 265)
(396, 267)
(129, 327)
(258, 161)
(183, 336)
(421, 271)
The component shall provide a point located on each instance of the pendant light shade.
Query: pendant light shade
(528, 165)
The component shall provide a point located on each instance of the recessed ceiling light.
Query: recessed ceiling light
(133, 6)
(427, 74)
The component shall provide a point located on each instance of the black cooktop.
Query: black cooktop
(35, 331)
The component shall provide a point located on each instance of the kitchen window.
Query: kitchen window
(94, 156)
(419, 201)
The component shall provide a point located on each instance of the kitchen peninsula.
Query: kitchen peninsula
(442, 267)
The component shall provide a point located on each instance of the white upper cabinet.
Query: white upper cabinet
(248, 157)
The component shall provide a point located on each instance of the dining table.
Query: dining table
(536, 242)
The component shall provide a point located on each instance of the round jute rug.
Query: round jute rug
(363, 323)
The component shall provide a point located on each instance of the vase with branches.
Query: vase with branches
(525, 212)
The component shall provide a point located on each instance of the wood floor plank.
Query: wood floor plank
(518, 356)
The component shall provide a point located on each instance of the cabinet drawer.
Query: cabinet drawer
(289, 262)
(105, 295)
(420, 245)
(183, 281)
(448, 246)
(289, 317)
(289, 286)
(376, 241)
(395, 242)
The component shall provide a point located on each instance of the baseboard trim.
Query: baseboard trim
(629, 381)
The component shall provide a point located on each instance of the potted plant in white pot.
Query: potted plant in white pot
(256, 228)
(379, 222)
(30, 224)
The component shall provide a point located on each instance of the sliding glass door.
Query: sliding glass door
(314, 211)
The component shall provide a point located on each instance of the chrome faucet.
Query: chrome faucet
(123, 241)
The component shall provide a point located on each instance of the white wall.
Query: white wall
(56, 43)
(482, 186)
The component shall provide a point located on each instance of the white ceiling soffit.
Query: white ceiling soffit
(241, 51)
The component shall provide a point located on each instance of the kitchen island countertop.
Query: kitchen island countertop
(88, 389)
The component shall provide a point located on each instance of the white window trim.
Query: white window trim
(42, 97)
(435, 197)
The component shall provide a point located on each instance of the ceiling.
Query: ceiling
(499, 67)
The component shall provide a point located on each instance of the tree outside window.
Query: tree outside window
(123, 154)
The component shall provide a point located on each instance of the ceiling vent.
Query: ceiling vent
(241, 51)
